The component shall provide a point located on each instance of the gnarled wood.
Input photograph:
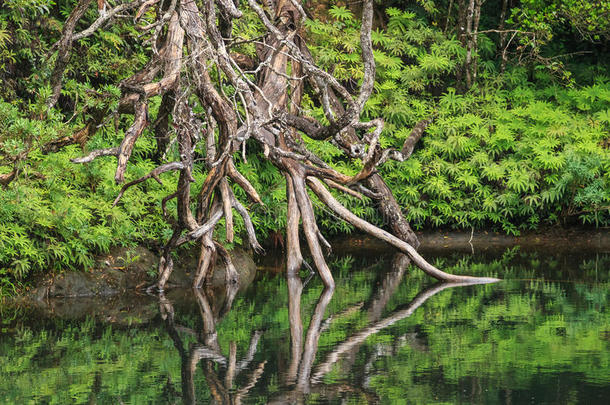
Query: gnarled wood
(65, 46)
(403, 246)
(193, 61)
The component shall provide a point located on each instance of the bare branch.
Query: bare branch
(344, 189)
(104, 17)
(65, 46)
(153, 173)
(401, 245)
(253, 242)
(95, 154)
(197, 233)
(131, 136)
(144, 7)
(238, 178)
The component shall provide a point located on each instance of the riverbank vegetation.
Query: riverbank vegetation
(513, 112)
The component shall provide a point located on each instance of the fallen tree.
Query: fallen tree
(195, 62)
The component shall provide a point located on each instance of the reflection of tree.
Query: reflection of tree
(358, 338)
(374, 307)
(301, 377)
(303, 354)
(208, 350)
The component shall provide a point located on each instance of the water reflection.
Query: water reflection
(383, 336)
(300, 378)
(206, 352)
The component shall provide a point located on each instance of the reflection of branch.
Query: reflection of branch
(396, 316)
(346, 312)
(210, 352)
(208, 332)
(200, 352)
(301, 359)
(311, 340)
(230, 375)
(390, 283)
(251, 382)
(295, 287)
(231, 292)
(251, 351)
(375, 306)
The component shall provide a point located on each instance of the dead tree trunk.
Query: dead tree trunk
(194, 59)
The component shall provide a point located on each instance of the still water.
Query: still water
(386, 335)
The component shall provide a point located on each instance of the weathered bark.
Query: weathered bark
(161, 126)
(191, 44)
(7, 178)
(391, 211)
(65, 46)
(469, 18)
(503, 34)
(468, 29)
(475, 39)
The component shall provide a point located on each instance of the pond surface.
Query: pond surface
(387, 334)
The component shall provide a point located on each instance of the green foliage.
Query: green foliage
(510, 161)
(511, 154)
(57, 215)
(83, 351)
(590, 19)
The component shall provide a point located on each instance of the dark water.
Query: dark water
(386, 335)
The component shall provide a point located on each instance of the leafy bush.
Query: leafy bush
(56, 214)
(511, 153)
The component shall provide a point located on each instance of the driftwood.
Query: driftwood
(191, 39)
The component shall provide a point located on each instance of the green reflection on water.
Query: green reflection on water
(540, 336)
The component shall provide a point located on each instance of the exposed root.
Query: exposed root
(326, 197)
(193, 61)
(310, 229)
(207, 257)
(231, 275)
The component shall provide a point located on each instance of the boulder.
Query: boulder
(184, 270)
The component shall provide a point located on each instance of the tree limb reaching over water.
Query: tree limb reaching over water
(193, 60)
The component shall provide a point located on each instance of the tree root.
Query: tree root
(194, 60)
